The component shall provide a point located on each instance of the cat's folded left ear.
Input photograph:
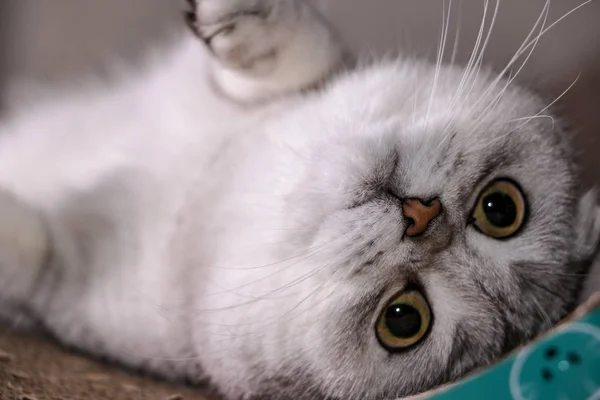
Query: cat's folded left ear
(588, 241)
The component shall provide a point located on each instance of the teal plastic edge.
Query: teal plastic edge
(563, 365)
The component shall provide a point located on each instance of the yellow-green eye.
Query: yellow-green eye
(500, 209)
(404, 322)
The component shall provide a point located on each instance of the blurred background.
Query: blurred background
(54, 42)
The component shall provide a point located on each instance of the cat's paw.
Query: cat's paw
(264, 48)
(245, 34)
(23, 246)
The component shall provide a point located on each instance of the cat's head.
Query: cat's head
(426, 224)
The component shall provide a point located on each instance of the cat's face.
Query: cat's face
(386, 296)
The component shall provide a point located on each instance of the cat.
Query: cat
(257, 210)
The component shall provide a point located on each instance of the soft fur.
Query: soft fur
(209, 218)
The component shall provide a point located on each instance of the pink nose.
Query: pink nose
(420, 214)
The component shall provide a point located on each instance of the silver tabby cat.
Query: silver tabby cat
(252, 211)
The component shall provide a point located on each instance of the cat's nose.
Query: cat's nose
(419, 214)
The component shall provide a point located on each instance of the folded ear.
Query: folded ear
(588, 241)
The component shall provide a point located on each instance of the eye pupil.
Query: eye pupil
(500, 209)
(403, 321)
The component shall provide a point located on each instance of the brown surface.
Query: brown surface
(32, 369)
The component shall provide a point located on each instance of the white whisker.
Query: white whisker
(492, 103)
(538, 115)
(272, 320)
(457, 34)
(272, 264)
(474, 64)
(440, 55)
(551, 118)
(526, 45)
(547, 320)
(271, 275)
(560, 96)
(479, 61)
(473, 55)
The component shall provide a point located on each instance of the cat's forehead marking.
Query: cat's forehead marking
(365, 267)
(495, 160)
(428, 172)
(457, 164)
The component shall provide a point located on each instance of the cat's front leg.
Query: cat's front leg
(73, 268)
(266, 48)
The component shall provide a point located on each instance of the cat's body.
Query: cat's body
(172, 228)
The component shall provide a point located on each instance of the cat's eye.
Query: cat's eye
(404, 321)
(500, 210)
